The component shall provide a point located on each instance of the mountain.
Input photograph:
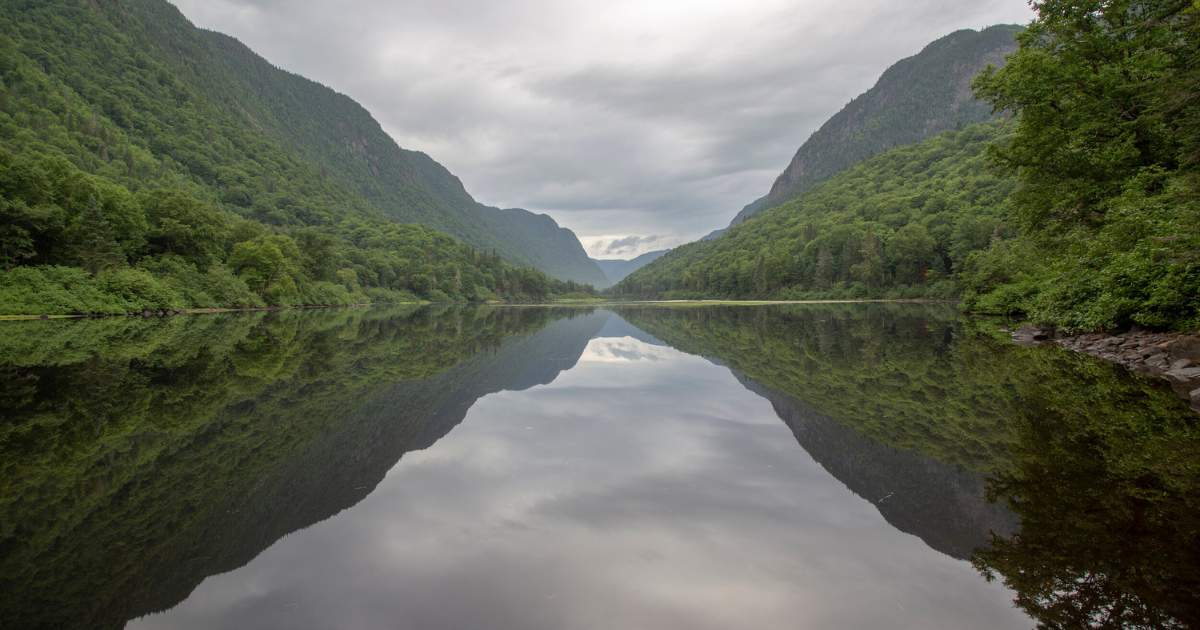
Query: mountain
(914, 99)
(616, 269)
(903, 224)
(311, 123)
(544, 245)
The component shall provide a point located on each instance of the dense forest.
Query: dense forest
(1081, 211)
(122, 189)
(342, 139)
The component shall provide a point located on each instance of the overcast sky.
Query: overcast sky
(639, 124)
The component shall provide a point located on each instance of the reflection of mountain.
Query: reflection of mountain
(333, 414)
(839, 358)
(343, 466)
(940, 504)
(910, 376)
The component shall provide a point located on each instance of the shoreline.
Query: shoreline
(1172, 356)
(194, 311)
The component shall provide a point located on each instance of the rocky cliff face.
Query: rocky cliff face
(916, 98)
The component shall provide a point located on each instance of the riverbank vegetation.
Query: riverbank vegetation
(1082, 212)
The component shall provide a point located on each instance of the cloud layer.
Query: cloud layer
(623, 118)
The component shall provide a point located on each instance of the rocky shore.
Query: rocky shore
(1173, 356)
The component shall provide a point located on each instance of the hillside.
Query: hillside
(900, 224)
(1079, 212)
(914, 99)
(328, 131)
(542, 243)
(617, 268)
(124, 188)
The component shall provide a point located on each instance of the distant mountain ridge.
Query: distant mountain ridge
(615, 269)
(340, 137)
(916, 98)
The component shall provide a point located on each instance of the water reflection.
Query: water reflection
(548, 467)
(642, 488)
(1105, 482)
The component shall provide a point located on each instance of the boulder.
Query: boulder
(1158, 358)
(1030, 335)
(1183, 348)
(1182, 364)
(1186, 374)
(1196, 399)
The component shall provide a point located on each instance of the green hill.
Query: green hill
(900, 224)
(1081, 212)
(914, 99)
(337, 134)
(129, 94)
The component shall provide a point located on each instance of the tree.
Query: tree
(1088, 82)
(92, 242)
(870, 270)
(1106, 155)
(180, 224)
(911, 248)
(267, 263)
(824, 275)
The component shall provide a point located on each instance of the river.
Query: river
(790, 466)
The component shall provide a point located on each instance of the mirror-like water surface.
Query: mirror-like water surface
(806, 466)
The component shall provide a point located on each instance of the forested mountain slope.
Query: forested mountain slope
(124, 188)
(1081, 212)
(337, 134)
(900, 224)
(214, 77)
(546, 246)
(617, 269)
(914, 99)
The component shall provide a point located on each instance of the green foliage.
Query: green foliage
(900, 224)
(113, 164)
(1105, 153)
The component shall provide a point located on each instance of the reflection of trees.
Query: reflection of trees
(1105, 481)
(129, 446)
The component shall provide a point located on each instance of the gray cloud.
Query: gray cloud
(626, 117)
(624, 246)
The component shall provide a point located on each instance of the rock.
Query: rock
(1182, 364)
(146, 313)
(1030, 336)
(1184, 374)
(1196, 399)
(1185, 348)
(1157, 358)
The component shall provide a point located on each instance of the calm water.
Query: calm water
(815, 466)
